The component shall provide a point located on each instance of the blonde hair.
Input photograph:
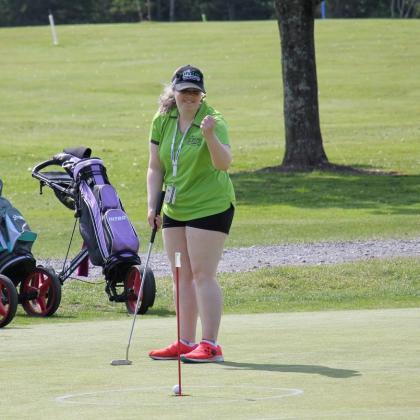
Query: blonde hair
(167, 99)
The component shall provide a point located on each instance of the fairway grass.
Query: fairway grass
(373, 284)
(100, 86)
(347, 364)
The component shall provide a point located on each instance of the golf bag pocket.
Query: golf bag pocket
(119, 232)
(15, 233)
(106, 197)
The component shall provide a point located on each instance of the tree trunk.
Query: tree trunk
(149, 11)
(172, 10)
(158, 10)
(231, 9)
(139, 11)
(304, 148)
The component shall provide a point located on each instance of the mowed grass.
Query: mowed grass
(320, 365)
(99, 88)
(363, 285)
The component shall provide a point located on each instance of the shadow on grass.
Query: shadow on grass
(309, 369)
(161, 312)
(55, 317)
(397, 194)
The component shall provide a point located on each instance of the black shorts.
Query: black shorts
(219, 222)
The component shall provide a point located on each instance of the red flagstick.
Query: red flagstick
(177, 267)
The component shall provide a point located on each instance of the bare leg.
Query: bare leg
(205, 249)
(175, 241)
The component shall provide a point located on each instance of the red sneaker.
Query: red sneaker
(171, 352)
(204, 353)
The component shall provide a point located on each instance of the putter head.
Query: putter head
(121, 362)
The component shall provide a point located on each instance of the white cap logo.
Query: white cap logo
(191, 75)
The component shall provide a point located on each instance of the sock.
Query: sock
(212, 342)
(187, 343)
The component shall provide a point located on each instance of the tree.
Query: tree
(149, 10)
(125, 10)
(403, 8)
(231, 6)
(236, 9)
(171, 10)
(304, 146)
(357, 8)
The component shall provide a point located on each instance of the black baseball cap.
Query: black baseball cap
(188, 77)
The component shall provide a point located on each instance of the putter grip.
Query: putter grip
(157, 212)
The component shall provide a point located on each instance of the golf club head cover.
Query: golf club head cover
(80, 152)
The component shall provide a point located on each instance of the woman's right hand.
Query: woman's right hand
(153, 219)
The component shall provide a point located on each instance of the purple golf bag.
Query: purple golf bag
(107, 232)
(109, 239)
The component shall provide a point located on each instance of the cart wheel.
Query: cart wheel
(132, 287)
(8, 300)
(40, 292)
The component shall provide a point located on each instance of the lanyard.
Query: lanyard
(175, 156)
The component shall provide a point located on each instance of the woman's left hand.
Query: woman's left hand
(207, 125)
(220, 153)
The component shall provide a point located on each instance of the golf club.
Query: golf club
(126, 361)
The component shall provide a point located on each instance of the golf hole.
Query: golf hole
(198, 394)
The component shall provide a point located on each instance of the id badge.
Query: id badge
(170, 194)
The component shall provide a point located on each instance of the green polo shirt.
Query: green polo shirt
(201, 189)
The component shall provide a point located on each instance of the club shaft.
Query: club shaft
(159, 204)
(139, 299)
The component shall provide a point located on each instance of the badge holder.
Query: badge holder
(170, 194)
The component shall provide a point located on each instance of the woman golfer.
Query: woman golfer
(190, 156)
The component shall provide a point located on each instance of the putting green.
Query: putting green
(346, 364)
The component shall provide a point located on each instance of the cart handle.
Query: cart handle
(43, 165)
(43, 179)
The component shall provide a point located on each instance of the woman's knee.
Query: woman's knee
(203, 275)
